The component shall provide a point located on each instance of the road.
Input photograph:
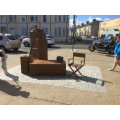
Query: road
(78, 45)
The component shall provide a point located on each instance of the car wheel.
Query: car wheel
(3, 48)
(26, 44)
(15, 49)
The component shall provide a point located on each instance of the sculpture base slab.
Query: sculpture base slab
(47, 67)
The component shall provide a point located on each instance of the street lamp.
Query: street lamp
(74, 29)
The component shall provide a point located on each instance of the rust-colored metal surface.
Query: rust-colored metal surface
(25, 64)
(47, 67)
(38, 44)
(59, 59)
(37, 62)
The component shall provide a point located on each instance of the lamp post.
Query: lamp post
(74, 27)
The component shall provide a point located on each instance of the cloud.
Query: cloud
(90, 19)
(77, 22)
(71, 22)
(106, 19)
(99, 19)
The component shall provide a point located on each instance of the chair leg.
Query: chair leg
(73, 72)
(77, 70)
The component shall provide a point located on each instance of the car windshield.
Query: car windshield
(49, 36)
(11, 37)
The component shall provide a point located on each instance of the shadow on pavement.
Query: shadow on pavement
(54, 47)
(16, 53)
(49, 101)
(73, 77)
(105, 53)
(12, 89)
(14, 78)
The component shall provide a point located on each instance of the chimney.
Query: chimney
(82, 24)
(87, 22)
(94, 20)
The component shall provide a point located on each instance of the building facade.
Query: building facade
(109, 27)
(89, 29)
(20, 25)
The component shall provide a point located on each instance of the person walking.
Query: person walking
(117, 54)
(3, 61)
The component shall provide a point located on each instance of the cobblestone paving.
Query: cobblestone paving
(90, 81)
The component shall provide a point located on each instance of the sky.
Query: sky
(83, 18)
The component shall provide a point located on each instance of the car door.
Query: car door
(2, 40)
(12, 40)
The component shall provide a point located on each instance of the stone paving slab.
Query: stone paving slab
(90, 81)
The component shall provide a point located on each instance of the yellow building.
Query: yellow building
(109, 27)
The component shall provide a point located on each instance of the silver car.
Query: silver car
(8, 41)
(50, 41)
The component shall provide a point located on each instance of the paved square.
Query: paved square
(90, 81)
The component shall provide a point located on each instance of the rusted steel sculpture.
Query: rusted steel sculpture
(37, 62)
(47, 67)
(38, 44)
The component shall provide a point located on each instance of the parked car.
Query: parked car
(109, 38)
(79, 38)
(22, 37)
(8, 41)
(93, 37)
(50, 41)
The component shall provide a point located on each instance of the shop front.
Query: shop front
(111, 32)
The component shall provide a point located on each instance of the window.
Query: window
(10, 18)
(64, 18)
(59, 31)
(63, 31)
(55, 18)
(1, 37)
(55, 31)
(45, 30)
(16, 32)
(11, 37)
(2, 19)
(32, 18)
(15, 18)
(44, 18)
(24, 31)
(59, 18)
(11, 31)
(23, 19)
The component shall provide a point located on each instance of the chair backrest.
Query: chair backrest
(78, 54)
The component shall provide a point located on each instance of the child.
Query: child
(3, 60)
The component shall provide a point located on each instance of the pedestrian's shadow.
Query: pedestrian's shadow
(14, 78)
(13, 90)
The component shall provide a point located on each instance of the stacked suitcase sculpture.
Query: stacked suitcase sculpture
(37, 62)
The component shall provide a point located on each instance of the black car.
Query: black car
(79, 38)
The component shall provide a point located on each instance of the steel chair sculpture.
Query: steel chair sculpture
(77, 67)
